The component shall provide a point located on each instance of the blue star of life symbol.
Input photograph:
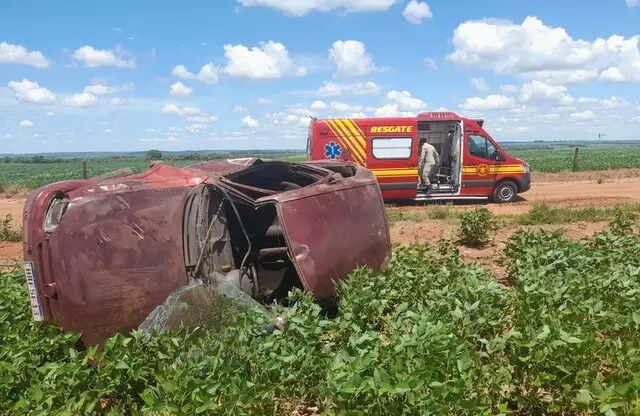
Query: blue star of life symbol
(332, 150)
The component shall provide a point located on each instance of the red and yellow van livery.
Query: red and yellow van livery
(473, 165)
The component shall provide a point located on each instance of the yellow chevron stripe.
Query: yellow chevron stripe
(359, 129)
(339, 133)
(359, 137)
(342, 139)
(354, 141)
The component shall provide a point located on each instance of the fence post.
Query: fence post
(84, 169)
(575, 160)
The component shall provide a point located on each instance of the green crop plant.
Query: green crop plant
(433, 335)
(476, 226)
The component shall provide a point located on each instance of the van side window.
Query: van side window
(480, 146)
(391, 147)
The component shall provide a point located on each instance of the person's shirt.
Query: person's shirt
(429, 155)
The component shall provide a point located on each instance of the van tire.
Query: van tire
(505, 192)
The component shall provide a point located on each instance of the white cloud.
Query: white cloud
(101, 89)
(30, 92)
(492, 102)
(180, 90)
(392, 110)
(208, 73)
(26, 123)
(302, 7)
(83, 99)
(196, 128)
(416, 12)
(150, 130)
(318, 105)
(351, 59)
(250, 122)
(117, 101)
(509, 89)
(18, 54)
(240, 109)
(268, 61)
(536, 91)
(344, 107)
(330, 89)
(431, 63)
(264, 101)
(8, 136)
(108, 131)
(584, 115)
(608, 104)
(633, 3)
(50, 113)
(536, 51)
(479, 83)
(192, 114)
(405, 102)
(636, 120)
(94, 58)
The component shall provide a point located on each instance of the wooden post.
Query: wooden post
(84, 169)
(575, 159)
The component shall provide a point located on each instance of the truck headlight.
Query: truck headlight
(56, 210)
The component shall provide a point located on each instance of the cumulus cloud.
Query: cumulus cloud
(270, 60)
(19, 55)
(405, 102)
(492, 102)
(535, 51)
(392, 110)
(633, 3)
(240, 109)
(479, 83)
(351, 59)
(93, 58)
(208, 73)
(26, 123)
(318, 105)
(541, 92)
(345, 108)
(101, 89)
(31, 92)
(583, 115)
(330, 89)
(416, 12)
(608, 104)
(117, 101)
(510, 89)
(83, 99)
(192, 114)
(264, 101)
(250, 122)
(431, 63)
(180, 90)
(302, 7)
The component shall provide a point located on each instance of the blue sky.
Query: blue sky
(240, 74)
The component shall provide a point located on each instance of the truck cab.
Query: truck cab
(472, 165)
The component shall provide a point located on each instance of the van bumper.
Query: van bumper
(524, 182)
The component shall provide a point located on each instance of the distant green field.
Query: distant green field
(590, 158)
(33, 175)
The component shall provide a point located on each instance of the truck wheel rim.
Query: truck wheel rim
(506, 193)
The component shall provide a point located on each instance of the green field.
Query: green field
(32, 175)
(433, 335)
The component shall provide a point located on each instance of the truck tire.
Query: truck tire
(505, 192)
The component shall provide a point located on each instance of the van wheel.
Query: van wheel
(505, 192)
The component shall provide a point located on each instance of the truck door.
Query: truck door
(394, 161)
(479, 171)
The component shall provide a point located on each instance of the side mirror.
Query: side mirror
(498, 156)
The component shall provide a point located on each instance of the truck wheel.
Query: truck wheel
(505, 192)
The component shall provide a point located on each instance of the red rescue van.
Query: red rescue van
(472, 164)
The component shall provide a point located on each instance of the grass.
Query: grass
(590, 158)
(544, 214)
(8, 232)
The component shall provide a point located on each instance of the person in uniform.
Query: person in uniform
(429, 161)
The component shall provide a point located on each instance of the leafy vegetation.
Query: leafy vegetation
(8, 231)
(476, 226)
(542, 213)
(432, 335)
(590, 158)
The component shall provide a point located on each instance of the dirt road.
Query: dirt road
(568, 189)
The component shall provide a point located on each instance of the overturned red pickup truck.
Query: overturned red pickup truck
(100, 255)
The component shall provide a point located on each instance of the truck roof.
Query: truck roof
(424, 116)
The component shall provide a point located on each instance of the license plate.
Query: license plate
(36, 307)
